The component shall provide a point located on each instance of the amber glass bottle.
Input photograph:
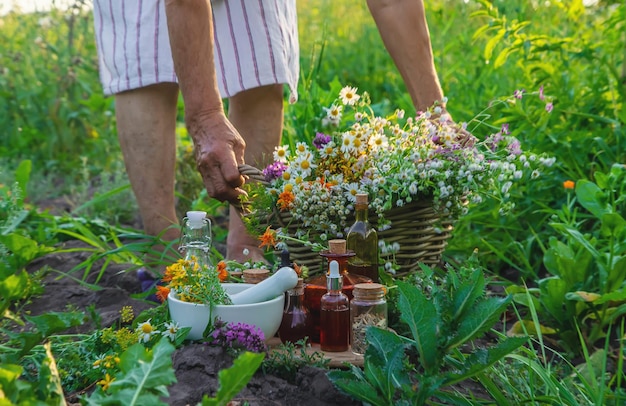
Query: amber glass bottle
(334, 314)
(296, 323)
(362, 238)
(316, 286)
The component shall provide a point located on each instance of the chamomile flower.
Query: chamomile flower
(349, 96)
(170, 331)
(146, 331)
(334, 114)
(281, 153)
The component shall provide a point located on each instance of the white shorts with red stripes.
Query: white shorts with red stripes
(256, 44)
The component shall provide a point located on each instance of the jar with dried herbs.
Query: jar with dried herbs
(368, 307)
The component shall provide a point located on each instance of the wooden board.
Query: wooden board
(337, 359)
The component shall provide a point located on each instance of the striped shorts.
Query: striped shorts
(256, 44)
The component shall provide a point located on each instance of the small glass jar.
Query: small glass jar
(368, 307)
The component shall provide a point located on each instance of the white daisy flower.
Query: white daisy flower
(349, 96)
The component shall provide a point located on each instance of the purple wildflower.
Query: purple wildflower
(549, 107)
(514, 147)
(541, 95)
(238, 336)
(518, 94)
(320, 140)
(505, 129)
(274, 171)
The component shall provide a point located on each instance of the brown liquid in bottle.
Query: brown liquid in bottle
(334, 314)
(296, 323)
(315, 287)
(335, 330)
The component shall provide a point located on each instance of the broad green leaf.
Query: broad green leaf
(612, 225)
(144, 376)
(356, 386)
(467, 294)
(486, 313)
(482, 359)
(23, 248)
(524, 299)
(56, 322)
(15, 286)
(422, 318)
(385, 351)
(553, 292)
(592, 198)
(234, 379)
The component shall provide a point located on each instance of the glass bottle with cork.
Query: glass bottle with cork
(316, 286)
(334, 314)
(368, 307)
(296, 323)
(362, 238)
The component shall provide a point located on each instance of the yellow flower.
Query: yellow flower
(569, 184)
(106, 382)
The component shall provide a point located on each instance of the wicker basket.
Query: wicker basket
(416, 227)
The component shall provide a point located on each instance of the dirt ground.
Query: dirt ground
(196, 365)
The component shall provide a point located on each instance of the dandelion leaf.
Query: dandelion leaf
(423, 319)
(484, 316)
(235, 378)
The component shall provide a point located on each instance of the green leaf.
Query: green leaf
(384, 361)
(482, 359)
(234, 379)
(592, 198)
(553, 291)
(354, 384)
(56, 322)
(22, 175)
(617, 273)
(612, 225)
(23, 248)
(467, 294)
(143, 378)
(14, 287)
(423, 320)
(484, 316)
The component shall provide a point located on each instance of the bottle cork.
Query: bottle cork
(337, 246)
(255, 275)
(361, 198)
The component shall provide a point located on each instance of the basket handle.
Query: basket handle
(255, 174)
(250, 173)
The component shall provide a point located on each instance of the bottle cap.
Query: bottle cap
(337, 246)
(334, 279)
(196, 218)
(361, 198)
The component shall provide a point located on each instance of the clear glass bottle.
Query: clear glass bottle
(316, 286)
(362, 238)
(368, 307)
(334, 314)
(296, 323)
(195, 242)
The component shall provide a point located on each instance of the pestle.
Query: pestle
(282, 280)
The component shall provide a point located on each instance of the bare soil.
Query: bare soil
(196, 365)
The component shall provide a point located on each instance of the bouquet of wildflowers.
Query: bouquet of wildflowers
(195, 284)
(395, 159)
